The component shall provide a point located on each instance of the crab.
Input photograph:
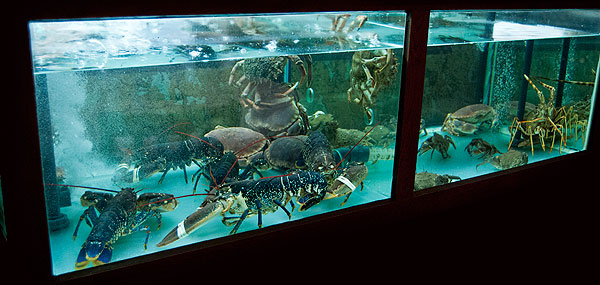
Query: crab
(439, 143)
(481, 148)
(371, 71)
(469, 119)
(257, 70)
(338, 22)
(283, 153)
(273, 114)
(243, 142)
(511, 158)
(273, 107)
(425, 180)
(545, 121)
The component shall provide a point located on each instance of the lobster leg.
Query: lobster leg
(278, 203)
(141, 218)
(90, 217)
(184, 172)
(239, 222)
(259, 213)
(163, 176)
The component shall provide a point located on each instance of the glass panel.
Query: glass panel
(480, 114)
(168, 105)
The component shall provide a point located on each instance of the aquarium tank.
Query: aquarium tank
(159, 132)
(504, 89)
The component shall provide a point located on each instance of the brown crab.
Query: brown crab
(481, 148)
(243, 142)
(283, 153)
(439, 143)
(256, 70)
(469, 119)
(273, 114)
(273, 107)
(425, 180)
(371, 71)
(511, 158)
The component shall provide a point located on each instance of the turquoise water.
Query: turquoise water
(377, 186)
(461, 164)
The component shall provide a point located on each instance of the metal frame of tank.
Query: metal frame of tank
(22, 170)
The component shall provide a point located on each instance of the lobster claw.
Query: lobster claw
(309, 201)
(94, 252)
(193, 222)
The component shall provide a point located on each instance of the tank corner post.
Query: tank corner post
(56, 219)
(591, 135)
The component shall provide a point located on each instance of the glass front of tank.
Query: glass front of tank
(503, 89)
(265, 118)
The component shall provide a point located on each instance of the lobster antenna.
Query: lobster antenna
(184, 123)
(282, 175)
(258, 141)
(172, 198)
(337, 165)
(85, 187)
(213, 177)
(138, 191)
(197, 138)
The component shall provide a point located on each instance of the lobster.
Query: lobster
(266, 195)
(347, 181)
(225, 169)
(166, 156)
(121, 214)
(317, 152)
(253, 197)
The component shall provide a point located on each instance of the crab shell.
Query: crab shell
(509, 159)
(474, 114)
(425, 180)
(264, 67)
(243, 142)
(273, 114)
(461, 127)
(286, 152)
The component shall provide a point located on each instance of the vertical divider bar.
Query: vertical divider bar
(591, 135)
(411, 98)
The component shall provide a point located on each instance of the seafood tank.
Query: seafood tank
(160, 132)
(504, 89)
